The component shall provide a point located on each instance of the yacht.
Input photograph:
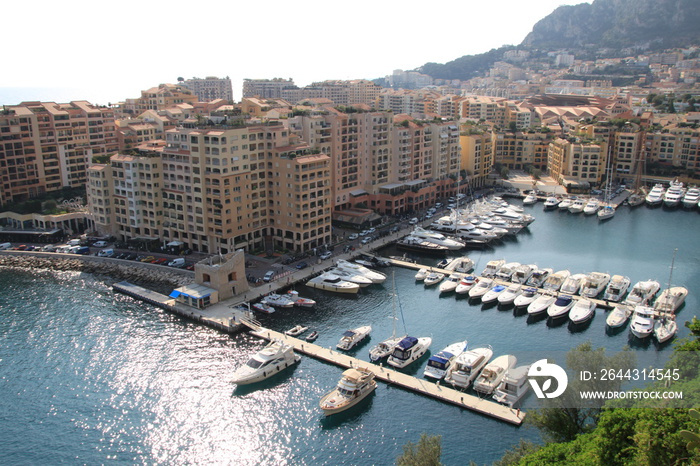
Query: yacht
(296, 330)
(523, 273)
(493, 294)
(299, 301)
(541, 303)
(277, 300)
(530, 199)
(421, 274)
(466, 284)
(538, 277)
(670, 299)
(439, 363)
(353, 387)
(674, 194)
(642, 321)
(691, 198)
(551, 203)
(492, 268)
(577, 206)
(265, 363)
(637, 198)
(409, 350)
(606, 212)
(617, 288)
(591, 206)
(433, 278)
(582, 311)
(465, 367)
(642, 292)
(450, 284)
(665, 328)
(525, 298)
(561, 306)
(572, 284)
(412, 243)
(481, 288)
(492, 374)
(513, 386)
(556, 280)
(655, 196)
(384, 348)
(508, 295)
(594, 284)
(565, 203)
(511, 226)
(330, 282)
(376, 277)
(619, 315)
(352, 338)
(263, 307)
(507, 271)
(351, 277)
(437, 238)
(460, 265)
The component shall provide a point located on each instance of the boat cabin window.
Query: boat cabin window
(401, 354)
(255, 364)
(436, 364)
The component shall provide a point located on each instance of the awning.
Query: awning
(358, 192)
(175, 294)
(175, 243)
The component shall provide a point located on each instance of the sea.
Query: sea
(89, 376)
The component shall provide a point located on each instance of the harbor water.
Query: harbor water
(89, 376)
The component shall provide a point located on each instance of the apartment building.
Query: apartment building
(267, 88)
(577, 165)
(488, 109)
(520, 150)
(677, 146)
(161, 97)
(210, 88)
(47, 146)
(476, 154)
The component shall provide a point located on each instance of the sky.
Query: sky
(105, 52)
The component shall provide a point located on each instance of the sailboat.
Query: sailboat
(638, 196)
(607, 210)
(665, 327)
(385, 347)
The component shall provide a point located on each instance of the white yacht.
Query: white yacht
(691, 198)
(670, 299)
(665, 328)
(353, 387)
(508, 295)
(556, 280)
(572, 284)
(433, 278)
(330, 282)
(551, 203)
(265, 363)
(384, 348)
(421, 274)
(409, 350)
(460, 265)
(480, 289)
(541, 303)
(642, 321)
(278, 300)
(351, 277)
(619, 315)
(565, 203)
(466, 367)
(591, 206)
(577, 206)
(466, 284)
(513, 386)
(492, 374)
(525, 298)
(617, 288)
(674, 194)
(264, 308)
(437, 238)
(299, 300)
(507, 270)
(493, 294)
(561, 306)
(450, 284)
(492, 268)
(523, 273)
(606, 212)
(642, 292)
(353, 337)
(440, 362)
(594, 284)
(538, 277)
(530, 199)
(655, 196)
(583, 310)
(376, 277)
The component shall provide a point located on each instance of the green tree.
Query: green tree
(426, 453)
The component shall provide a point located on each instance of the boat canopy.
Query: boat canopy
(563, 300)
(407, 342)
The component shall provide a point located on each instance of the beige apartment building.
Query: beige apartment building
(577, 165)
(519, 150)
(477, 155)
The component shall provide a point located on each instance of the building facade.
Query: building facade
(210, 88)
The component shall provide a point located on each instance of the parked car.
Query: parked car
(161, 260)
(301, 265)
(148, 259)
(353, 236)
(413, 221)
(100, 244)
(178, 262)
(366, 239)
(268, 276)
(326, 255)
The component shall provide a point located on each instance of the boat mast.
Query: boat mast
(639, 167)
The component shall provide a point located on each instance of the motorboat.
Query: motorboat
(594, 284)
(481, 288)
(665, 328)
(466, 284)
(637, 198)
(412, 243)
(508, 295)
(492, 374)
(267, 362)
(525, 298)
(619, 315)
(353, 337)
(565, 203)
(642, 292)
(670, 299)
(591, 206)
(373, 275)
(572, 284)
(352, 388)
(433, 278)
(513, 387)
(507, 270)
(577, 206)
(493, 294)
(437, 238)
(523, 273)
(409, 350)
(466, 367)
(296, 330)
(691, 198)
(642, 324)
(421, 274)
(554, 281)
(561, 306)
(655, 196)
(541, 303)
(277, 300)
(674, 194)
(444, 263)
(551, 203)
(538, 277)
(473, 234)
(263, 307)
(511, 226)
(299, 301)
(492, 268)
(450, 284)
(331, 282)
(530, 199)
(617, 288)
(311, 337)
(606, 212)
(351, 277)
(439, 363)
(582, 311)
(460, 265)
(384, 348)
